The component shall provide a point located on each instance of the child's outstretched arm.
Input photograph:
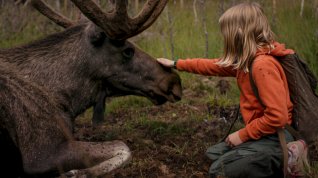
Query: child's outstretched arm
(201, 66)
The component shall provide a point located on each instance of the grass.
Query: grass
(300, 33)
(166, 124)
(127, 102)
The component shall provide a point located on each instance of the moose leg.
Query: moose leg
(84, 159)
(110, 155)
(99, 109)
(11, 162)
(98, 158)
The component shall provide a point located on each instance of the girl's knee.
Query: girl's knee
(253, 165)
(216, 151)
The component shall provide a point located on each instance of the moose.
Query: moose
(41, 130)
(46, 84)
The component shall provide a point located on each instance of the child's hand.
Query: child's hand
(233, 139)
(166, 62)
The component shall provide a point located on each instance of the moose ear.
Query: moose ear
(96, 35)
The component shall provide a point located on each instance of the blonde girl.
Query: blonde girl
(254, 150)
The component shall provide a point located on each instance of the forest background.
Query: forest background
(170, 140)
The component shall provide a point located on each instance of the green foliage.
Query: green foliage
(187, 39)
(21, 25)
(160, 128)
(188, 35)
(125, 102)
(300, 33)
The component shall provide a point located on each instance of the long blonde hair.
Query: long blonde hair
(245, 29)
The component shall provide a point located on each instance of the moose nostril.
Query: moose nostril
(177, 98)
(177, 92)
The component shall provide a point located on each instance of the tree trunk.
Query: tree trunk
(181, 4)
(316, 9)
(64, 5)
(136, 5)
(233, 2)
(302, 8)
(221, 7)
(274, 14)
(58, 5)
(170, 32)
(195, 11)
(204, 25)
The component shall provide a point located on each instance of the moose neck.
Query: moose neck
(59, 63)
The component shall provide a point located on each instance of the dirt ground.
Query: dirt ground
(171, 144)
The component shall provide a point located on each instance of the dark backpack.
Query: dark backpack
(302, 85)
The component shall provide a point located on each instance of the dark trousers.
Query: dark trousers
(252, 159)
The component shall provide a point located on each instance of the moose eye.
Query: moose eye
(128, 53)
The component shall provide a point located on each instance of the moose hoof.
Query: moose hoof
(74, 174)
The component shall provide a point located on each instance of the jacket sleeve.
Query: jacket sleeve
(269, 81)
(205, 67)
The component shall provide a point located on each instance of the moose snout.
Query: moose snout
(176, 92)
(171, 86)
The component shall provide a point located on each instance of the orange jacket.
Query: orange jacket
(272, 86)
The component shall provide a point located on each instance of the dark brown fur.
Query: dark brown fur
(41, 132)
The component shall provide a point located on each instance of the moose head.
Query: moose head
(93, 59)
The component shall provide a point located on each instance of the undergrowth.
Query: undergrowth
(182, 38)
